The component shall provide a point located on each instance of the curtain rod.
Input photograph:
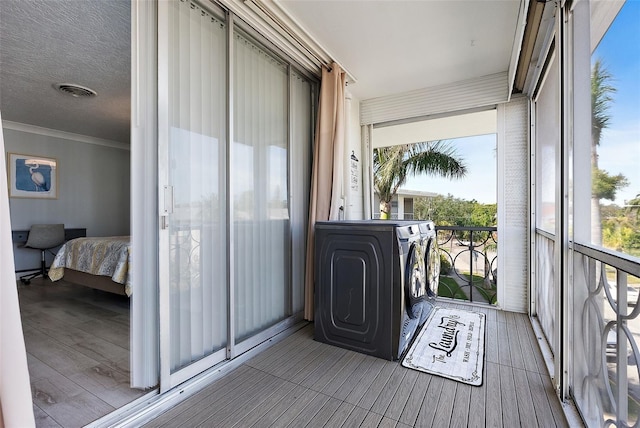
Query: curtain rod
(283, 22)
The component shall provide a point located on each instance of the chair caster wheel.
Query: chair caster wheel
(25, 281)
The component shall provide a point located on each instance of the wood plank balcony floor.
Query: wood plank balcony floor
(299, 382)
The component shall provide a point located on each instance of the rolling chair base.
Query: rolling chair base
(26, 279)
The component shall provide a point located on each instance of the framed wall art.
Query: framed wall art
(32, 176)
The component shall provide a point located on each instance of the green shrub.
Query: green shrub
(445, 264)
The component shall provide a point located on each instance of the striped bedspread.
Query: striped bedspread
(105, 256)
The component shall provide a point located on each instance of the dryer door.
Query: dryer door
(415, 281)
(432, 262)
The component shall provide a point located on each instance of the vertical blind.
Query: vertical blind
(245, 190)
(197, 159)
(260, 189)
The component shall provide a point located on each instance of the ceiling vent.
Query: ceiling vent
(75, 90)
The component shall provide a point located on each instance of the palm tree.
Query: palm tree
(633, 206)
(601, 99)
(393, 165)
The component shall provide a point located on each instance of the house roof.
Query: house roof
(416, 193)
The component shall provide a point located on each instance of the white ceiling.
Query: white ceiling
(387, 46)
(396, 46)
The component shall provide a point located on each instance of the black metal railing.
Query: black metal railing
(469, 262)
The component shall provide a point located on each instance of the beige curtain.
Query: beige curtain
(326, 180)
(16, 409)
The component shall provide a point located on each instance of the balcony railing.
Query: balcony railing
(469, 263)
(606, 326)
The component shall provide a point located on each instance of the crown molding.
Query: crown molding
(47, 132)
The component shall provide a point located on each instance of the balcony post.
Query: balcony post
(621, 342)
(471, 266)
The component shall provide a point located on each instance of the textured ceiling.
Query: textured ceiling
(86, 42)
(388, 46)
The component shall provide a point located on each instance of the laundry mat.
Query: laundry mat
(451, 345)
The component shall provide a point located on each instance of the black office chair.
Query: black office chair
(43, 237)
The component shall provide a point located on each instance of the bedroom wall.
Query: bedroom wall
(93, 192)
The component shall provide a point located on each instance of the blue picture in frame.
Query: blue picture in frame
(32, 176)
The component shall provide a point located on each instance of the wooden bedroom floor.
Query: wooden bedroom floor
(299, 382)
(77, 342)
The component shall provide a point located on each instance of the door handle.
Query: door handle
(167, 206)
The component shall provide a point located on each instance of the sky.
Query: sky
(619, 150)
(619, 51)
(479, 154)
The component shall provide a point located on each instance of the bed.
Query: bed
(96, 262)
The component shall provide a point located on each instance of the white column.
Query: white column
(16, 408)
(144, 202)
(513, 205)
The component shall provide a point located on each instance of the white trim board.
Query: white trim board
(469, 94)
(442, 128)
(38, 130)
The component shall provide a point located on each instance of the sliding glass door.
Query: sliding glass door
(192, 125)
(260, 189)
(235, 133)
